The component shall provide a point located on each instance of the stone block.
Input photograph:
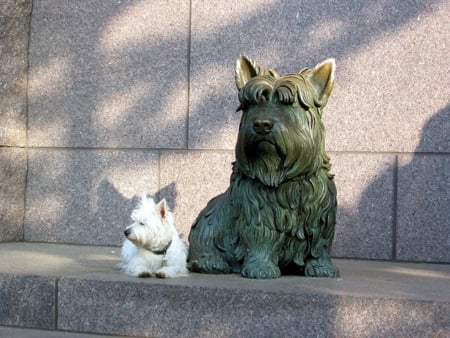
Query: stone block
(434, 135)
(13, 172)
(230, 306)
(378, 48)
(14, 31)
(423, 226)
(376, 106)
(17, 332)
(27, 301)
(109, 74)
(86, 196)
(190, 179)
(365, 188)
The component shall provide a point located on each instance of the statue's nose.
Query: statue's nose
(262, 126)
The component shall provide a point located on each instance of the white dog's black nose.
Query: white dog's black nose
(127, 232)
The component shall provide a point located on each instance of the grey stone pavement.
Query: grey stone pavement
(359, 278)
(380, 297)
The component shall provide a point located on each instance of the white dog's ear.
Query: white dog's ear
(162, 208)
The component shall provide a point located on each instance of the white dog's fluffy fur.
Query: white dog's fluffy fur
(153, 247)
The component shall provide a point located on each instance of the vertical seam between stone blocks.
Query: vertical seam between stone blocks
(56, 303)
(188, 73)
(394, 209)
(158, 193)
(27, 157)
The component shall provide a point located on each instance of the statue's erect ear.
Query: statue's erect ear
(245, 70)
(322, 78)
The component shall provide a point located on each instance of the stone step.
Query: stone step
(78, 289)
(18, 332)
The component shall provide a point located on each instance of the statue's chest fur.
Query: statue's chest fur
(278, 209)
(290, 217)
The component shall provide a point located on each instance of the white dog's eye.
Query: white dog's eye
(141, 223)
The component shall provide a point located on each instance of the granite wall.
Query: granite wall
(103, 100)
(14, 39)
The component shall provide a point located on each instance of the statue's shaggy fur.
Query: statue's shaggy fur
(278, 215)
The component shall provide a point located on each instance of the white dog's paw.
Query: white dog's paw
(161, 275)
(171, 272)
(145, 274)
(165, 272)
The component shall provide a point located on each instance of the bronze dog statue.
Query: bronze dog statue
(278, 215)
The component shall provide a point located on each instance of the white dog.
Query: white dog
(153, 246)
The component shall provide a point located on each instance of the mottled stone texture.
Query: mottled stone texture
(201, 176)
(108, 74)
(27, 301)
(85, 196)
(133, 96)
(14, 29)
(13, 166)
(158, 310)
(423, 229)
(365, 185)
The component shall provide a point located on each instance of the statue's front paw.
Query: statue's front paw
(209, 264)
(321, 268)
(261, 270)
